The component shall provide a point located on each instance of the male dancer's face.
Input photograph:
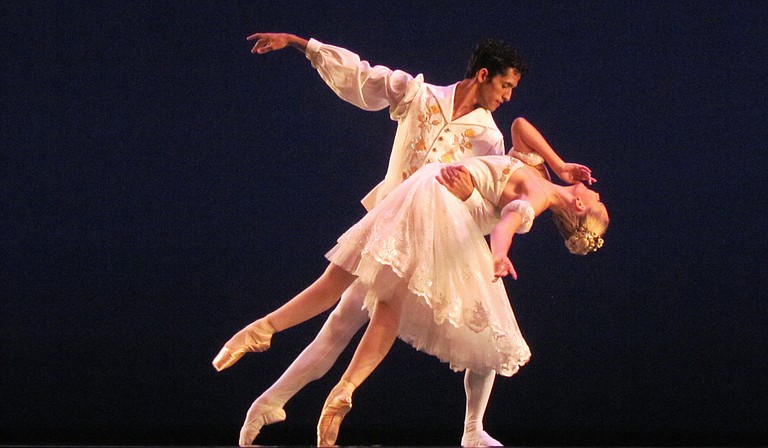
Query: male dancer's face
(495, 91)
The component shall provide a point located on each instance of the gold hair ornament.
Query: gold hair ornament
(584, 241)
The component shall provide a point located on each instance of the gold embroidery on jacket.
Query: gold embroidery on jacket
(429, 118)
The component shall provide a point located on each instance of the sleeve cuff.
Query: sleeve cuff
(313, 46)
(474, 200)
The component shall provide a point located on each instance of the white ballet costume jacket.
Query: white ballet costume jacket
(425, 133)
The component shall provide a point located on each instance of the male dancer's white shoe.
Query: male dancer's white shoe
(478, 438)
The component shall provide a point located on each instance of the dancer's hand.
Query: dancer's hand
(266, 42)
(457, 180)
(503, 267)
(574, 173)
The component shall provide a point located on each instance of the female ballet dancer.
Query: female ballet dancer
(450, 305)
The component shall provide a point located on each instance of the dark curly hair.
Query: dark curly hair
(496, 56)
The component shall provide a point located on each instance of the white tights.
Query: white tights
(478, 388)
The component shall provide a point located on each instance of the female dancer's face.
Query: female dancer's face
(591, 205)
(588, 197)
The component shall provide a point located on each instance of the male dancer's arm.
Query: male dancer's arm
(352, 79)
(458, 181)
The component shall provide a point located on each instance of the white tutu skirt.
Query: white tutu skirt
(421, 245)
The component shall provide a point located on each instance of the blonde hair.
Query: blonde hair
(582, 234)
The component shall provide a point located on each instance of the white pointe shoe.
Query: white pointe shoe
(256, 337)
(259, 415)
(478, 438)
(336, 407)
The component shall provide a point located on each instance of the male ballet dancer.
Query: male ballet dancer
(435, 124)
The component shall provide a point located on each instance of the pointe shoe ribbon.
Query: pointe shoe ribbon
(256, 337)
(337, 405)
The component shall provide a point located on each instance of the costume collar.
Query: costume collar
(445, 97)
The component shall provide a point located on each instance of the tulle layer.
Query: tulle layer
(420, 245)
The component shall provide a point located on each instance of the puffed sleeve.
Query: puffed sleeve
(356, 81)
(525, 210)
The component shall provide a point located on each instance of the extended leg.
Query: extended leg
(478, 388)
(315, 299)
(314, 362)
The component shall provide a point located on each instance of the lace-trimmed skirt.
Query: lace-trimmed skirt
(421, 245)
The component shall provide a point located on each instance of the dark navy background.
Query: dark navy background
(161, 187)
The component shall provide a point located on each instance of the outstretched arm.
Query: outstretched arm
(354, 80)
(527, 139)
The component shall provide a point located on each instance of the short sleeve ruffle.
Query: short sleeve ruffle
(529, 158)
(524, 209)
